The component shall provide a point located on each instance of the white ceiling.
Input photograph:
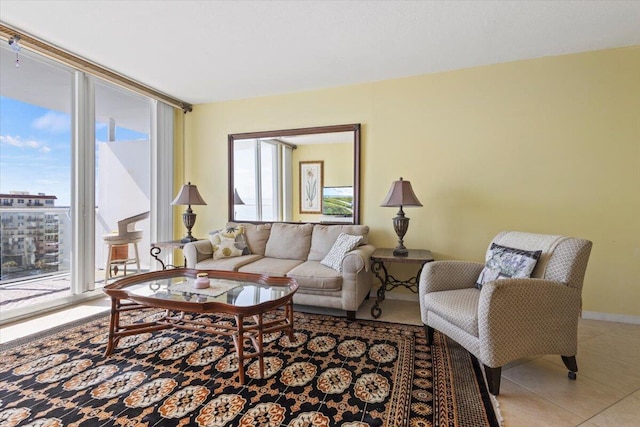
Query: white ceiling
(204, 51)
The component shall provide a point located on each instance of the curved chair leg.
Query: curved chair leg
(493, 379)
(572, 366)
(135, 245)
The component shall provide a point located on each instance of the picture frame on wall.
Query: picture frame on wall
(311, 183)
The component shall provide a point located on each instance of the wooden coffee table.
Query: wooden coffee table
(245, 296)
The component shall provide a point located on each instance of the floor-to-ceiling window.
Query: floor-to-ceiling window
(123, 170)
(77, 154)
(36, 104)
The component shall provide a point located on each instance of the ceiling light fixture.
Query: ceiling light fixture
(14, 42)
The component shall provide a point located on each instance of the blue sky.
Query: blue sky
(35, 149)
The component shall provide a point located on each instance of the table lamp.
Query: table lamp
(400, 194)
(188, 196)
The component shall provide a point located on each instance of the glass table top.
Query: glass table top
(234, 292)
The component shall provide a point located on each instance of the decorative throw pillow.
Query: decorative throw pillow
(236, 233)
(503, 263)
(214, 237)
(344, 243)
(226, 248)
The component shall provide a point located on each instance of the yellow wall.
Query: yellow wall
(550, 145)
(337, 169)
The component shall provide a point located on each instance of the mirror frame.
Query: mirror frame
(355, 128)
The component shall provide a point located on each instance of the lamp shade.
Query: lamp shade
(236, 198)
(401, 194)
(189, 195)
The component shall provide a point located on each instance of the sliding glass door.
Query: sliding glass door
(36, 135)
(77, 155)
(123, 171)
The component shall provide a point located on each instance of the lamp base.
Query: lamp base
(189, 219)
(400, 251)
(400, 226)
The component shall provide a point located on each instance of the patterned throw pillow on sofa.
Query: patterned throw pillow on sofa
(504, 262)
(226, 248)
(235, 233)
(344, 244)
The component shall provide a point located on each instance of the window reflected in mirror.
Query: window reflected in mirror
(266, 184)
(261, 181)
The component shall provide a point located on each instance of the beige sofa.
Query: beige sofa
(295, 250)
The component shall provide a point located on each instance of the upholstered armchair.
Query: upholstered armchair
(510, 318)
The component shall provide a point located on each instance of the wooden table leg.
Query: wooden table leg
(114, 323)
(260, 346)
(238, 340)
(289, 314)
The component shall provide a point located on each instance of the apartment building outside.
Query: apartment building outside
(31, 235)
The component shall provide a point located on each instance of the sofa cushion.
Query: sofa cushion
(271, 266)
(459, 307)
(345, 243)
(227, 264)
(324, 236)
(256, 235)
(504, 262)
(313, 275)
(289, 241)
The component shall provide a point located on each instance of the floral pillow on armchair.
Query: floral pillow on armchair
(504, 262)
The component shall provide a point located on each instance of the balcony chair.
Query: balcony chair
(126, 235)
(509, 317)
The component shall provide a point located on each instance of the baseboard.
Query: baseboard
(45, 307)
(400, 296)
(611, 317)
(593, 315)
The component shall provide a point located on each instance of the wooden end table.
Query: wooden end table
(247, 297)
(383, 256)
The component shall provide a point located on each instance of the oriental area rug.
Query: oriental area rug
(336, 373)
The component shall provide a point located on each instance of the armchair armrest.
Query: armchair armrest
(358, 259)
(197, 251)
(448, 275)
(516, 317)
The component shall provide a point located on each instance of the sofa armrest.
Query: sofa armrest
(357, 278)
(358, 259)
(197, 251)
(522, 317)
(448, 275)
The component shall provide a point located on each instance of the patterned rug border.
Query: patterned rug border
(493, 413)
(487, 399)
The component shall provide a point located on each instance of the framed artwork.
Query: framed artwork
(311, 186)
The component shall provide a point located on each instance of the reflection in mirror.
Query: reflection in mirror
(295, 175)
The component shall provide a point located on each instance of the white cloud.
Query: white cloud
(53, 122)
(45, 149)
(16, 141)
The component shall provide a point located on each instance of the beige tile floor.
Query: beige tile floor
(534, 391)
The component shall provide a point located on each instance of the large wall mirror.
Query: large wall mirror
(296, 175)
